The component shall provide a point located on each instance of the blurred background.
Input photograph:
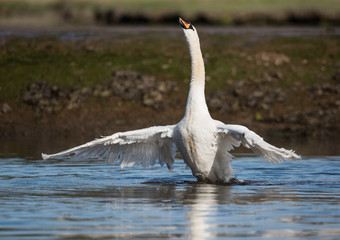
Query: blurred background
(38, 13)
(74, 70)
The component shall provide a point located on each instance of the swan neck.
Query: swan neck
(197, 65)
(196, 99)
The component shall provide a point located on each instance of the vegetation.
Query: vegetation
(152, 6)
(52, 82)
(73, 63)
(224, 12)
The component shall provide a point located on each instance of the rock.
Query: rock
(277, 74)
(106, 93)
(273, 57)
(258, 94)
(337, 103)
(153, 99)
(218, 101)
(49, 99)
(235, 107)
(336, 77)
(327, 87)
(214, 103)
(236, 92)
(131, 85)
(252, 103)
(5, 108)
(264, 106)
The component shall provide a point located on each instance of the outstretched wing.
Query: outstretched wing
(140, 147)
(240, 134)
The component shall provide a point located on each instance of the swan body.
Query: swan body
(203, 142)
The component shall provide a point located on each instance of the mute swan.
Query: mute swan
(203, 142)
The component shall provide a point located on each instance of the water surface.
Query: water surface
(79, 33)
(90, 200)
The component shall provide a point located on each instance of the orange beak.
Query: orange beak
(184, 24)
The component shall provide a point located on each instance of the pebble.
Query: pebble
(5, 108)
(129, 85)
(257, 95)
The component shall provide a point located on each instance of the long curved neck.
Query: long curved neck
(196, 103)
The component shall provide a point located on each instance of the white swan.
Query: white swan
(203, 142)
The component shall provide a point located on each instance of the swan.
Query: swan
(203, 142)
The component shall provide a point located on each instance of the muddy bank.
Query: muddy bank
(58, 87)
(132, 100)
(128, 100)
(46, 99)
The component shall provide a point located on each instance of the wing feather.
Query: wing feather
(256, 143)
(143, 147)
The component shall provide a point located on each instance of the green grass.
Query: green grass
(221, 10)
(228, 58)
(190, 6)
(217, 6)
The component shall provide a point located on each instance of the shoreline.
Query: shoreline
(282, 87)
(80, 32)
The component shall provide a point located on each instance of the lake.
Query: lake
(90, 200)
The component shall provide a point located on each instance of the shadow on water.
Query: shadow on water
(170, 182)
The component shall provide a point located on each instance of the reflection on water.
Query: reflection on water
(87, 199)
(200, 209)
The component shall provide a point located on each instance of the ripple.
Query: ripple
(87, 199)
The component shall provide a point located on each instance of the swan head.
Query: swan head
(186, 24)
(190, 32)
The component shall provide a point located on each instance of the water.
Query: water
(78, 33)
(89, 200)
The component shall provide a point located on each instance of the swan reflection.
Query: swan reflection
(204, 204)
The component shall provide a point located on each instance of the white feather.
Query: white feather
(140, 147)
(256, 143)
(203, 142)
